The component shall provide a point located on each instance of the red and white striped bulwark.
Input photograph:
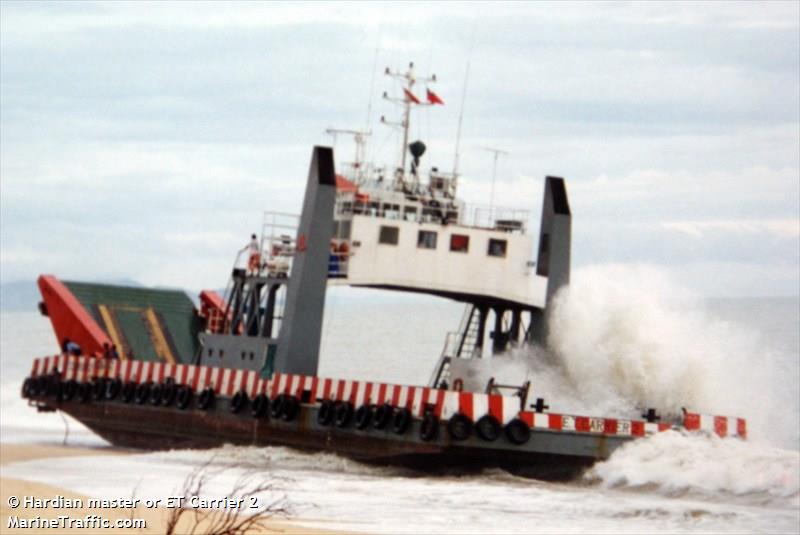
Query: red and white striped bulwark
(443, 403)
(724, 426)
(588, 424)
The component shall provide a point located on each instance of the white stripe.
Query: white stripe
(707, 423)
(215, 379)
(541, 420)
(416, 403)
(450, 405)
(567, 423)
(733, 429)
(650, 428)
(480, 405)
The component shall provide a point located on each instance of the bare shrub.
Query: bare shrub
(226, 521)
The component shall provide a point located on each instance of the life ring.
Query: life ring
(259, 406)
(128, 391)
(429, 429)
(291, 408)
(344, 413)
(488, 428)
(383, 415)
(70, 389)
(113, 389)
(168, 393)
(276, 407)
(458, 385)
(142, 393)
(326, 412)
(518, 432)
(206, 399)
(459, 426)
(238, 402)
(84, 392)
(156, 393)
(183, 397)
(98, 389)
(401, 421)
(363, 417)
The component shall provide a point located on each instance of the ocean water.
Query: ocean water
(617, 347)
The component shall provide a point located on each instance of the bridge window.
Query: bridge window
(459, 243)
(426, 239)
(389, 235)
(497, 247)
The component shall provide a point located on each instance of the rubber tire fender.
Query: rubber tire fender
(291, 408)
(113, 389)
(326, 412)
(156, 394)
(142, 393)
(488, 428)
(40, 386)
(26, 387)
(84, 392)
(277, 405)
(429, 429)
(184, 397)
(98, 389)
(383, 415)
(459, 427)
(344, 414)
(168, 393)
(128, 391)
(401, 421)
(238, 402)
(70, 390)
(517, 432)
(363, 417)
(206, 399)
(259, 406)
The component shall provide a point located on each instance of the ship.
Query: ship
(153, 369)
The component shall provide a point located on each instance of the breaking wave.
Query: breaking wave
(676, 464)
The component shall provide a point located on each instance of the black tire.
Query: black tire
(429, 429)
(142, 393)
(84, 392)
(52, 383)
(459, 427)
(40, 386)
(518, 432)
(363, 417)
(259, 406)
(326, 413)
(168, 393)
(344, 414)
(276, 407)
(156, 394)
(128, 392)
(113, 388)
(291, 408)
(488, 428)
(98, 389)
(70, 390)
(383, 415)
(238, 402)
(206, 399)
(401, 421)
(27, 386)
(183, 397)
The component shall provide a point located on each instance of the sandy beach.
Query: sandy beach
(155, 519)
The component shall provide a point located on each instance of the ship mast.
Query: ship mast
(407, 79)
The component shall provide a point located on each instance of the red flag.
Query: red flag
(410, 96)
(433, 98)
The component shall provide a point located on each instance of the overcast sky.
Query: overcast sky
(144, 141)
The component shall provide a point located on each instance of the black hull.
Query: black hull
(148, 427)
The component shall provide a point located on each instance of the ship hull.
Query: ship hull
(546, 455)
